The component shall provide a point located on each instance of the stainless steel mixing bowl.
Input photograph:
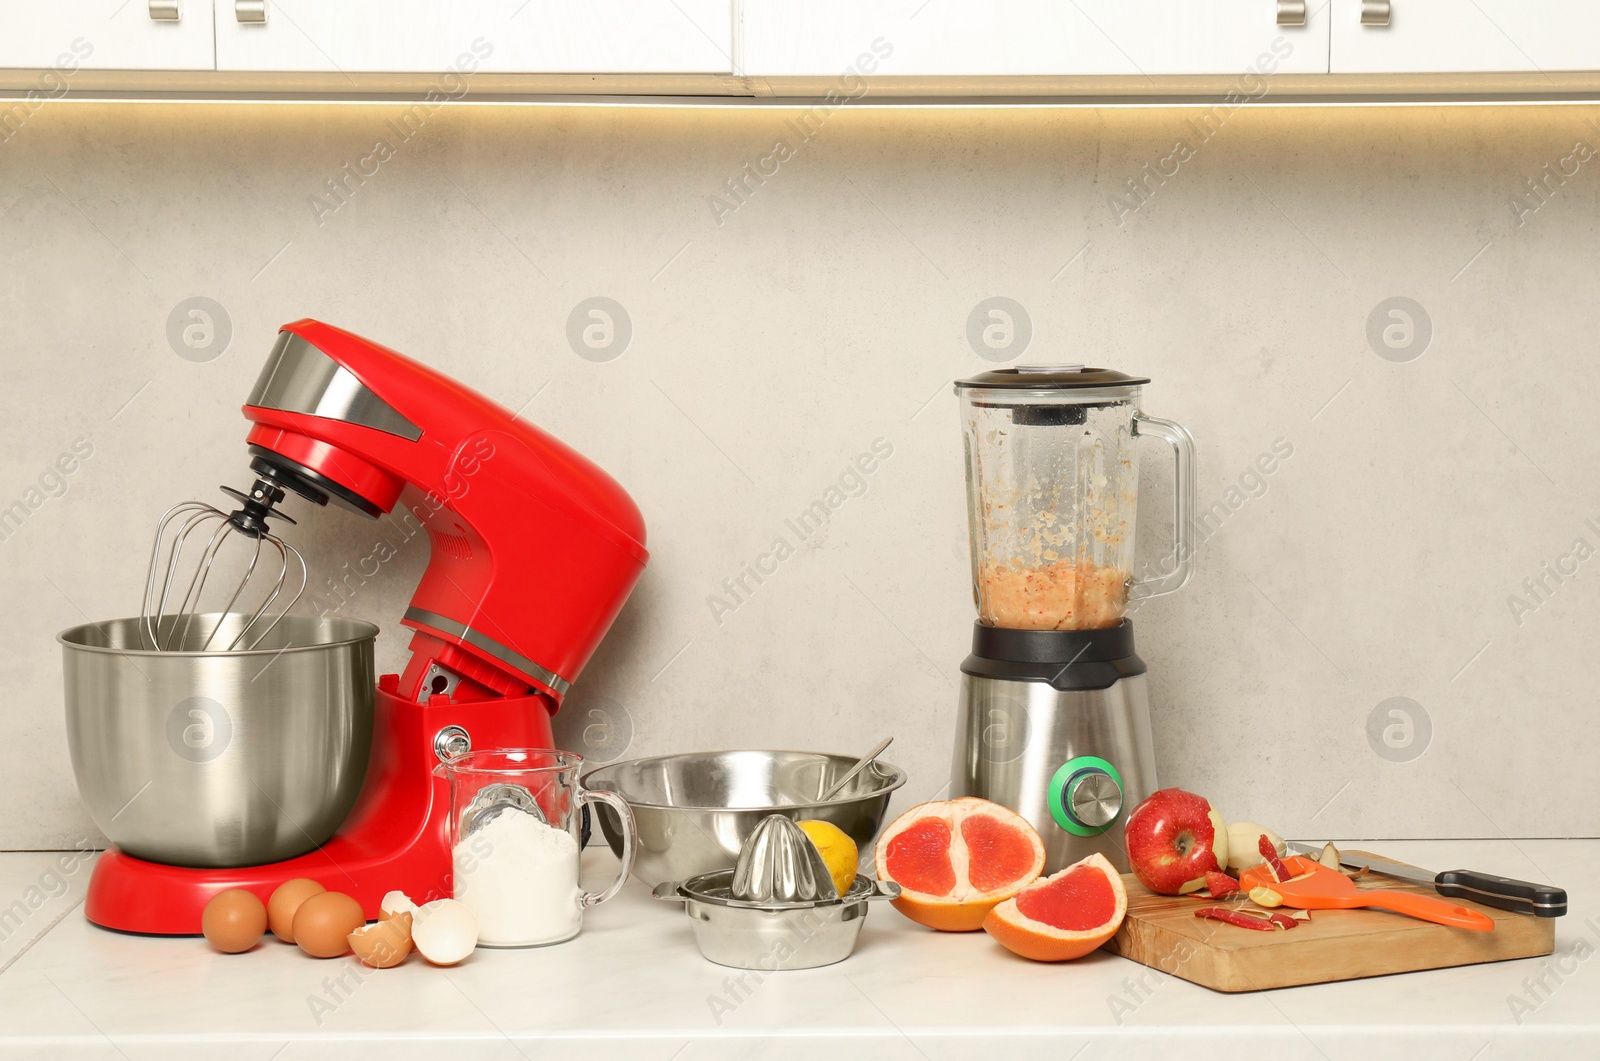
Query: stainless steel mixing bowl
(217, 759)
(693, 812)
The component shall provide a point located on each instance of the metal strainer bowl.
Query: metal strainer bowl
(695, 810)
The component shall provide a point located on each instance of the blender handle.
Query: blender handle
(625, 818)
(1182, 443)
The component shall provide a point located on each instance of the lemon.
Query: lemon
(838, 851)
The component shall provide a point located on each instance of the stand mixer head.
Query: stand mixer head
(533, 548)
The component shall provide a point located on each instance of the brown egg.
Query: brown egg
(234, 920)
(383, 944)
(285, 901)
(323, 924)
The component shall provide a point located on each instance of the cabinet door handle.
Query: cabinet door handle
(254, 11)
(165, 11)
(1374, 12)
(1291, 12)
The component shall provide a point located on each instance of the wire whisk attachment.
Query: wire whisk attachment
(173, 618)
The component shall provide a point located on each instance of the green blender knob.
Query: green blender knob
(1086, 795)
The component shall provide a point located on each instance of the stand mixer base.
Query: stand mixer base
(395, 838)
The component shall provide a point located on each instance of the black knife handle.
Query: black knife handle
(1502, 893)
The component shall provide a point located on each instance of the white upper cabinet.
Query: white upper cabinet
(105, 35)
(1000, 38)
(490, 36)
(1465, 36)
(953, 48)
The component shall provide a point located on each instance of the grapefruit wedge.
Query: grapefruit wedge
(956, 860)
(1064, 916)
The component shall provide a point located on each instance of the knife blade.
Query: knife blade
(1502, 893)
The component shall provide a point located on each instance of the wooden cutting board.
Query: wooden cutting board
(1162, 932)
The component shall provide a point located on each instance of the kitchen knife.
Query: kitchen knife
(1502, 893)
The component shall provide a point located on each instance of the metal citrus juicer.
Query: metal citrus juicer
(221, 741)
(1054, 713)
(777, 909)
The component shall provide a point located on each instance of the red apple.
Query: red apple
(1174, 839)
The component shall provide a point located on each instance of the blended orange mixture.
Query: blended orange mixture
(1065, 595)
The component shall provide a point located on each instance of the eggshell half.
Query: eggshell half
(444, 931)
(383, 944)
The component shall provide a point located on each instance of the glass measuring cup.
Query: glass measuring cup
(515, 822)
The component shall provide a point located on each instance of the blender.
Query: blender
(1054, 716)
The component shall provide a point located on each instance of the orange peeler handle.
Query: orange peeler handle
(1436, 910)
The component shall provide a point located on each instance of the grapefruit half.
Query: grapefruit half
(956, 860)
(1064, 916)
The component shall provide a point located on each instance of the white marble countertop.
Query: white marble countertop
(633, 986)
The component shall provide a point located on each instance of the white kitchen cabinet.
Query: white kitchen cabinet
(1001, 38)
(1466, 36)
(488, 36)
(953, 48)
(69, 35)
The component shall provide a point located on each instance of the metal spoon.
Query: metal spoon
(862, 764)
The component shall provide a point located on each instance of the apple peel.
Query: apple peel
(1263, 921)
(1269, 855)
(1238, 918)
(1220, 886)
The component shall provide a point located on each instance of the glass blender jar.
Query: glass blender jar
(1052, 495)
(1054, 717)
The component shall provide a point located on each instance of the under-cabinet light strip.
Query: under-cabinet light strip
(864, 103)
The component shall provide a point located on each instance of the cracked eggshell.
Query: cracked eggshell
(396, 902)
(444, 931)
(383, 944)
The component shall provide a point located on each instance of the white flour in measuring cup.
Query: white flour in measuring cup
(519, 876)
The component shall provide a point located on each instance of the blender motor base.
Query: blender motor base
(1055, 725)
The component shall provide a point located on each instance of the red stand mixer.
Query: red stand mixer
(534, 549)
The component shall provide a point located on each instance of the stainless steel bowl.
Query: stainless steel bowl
(218, 759)
(694, 811)
(773, 937)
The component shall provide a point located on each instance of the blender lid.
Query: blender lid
(1051, 377)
